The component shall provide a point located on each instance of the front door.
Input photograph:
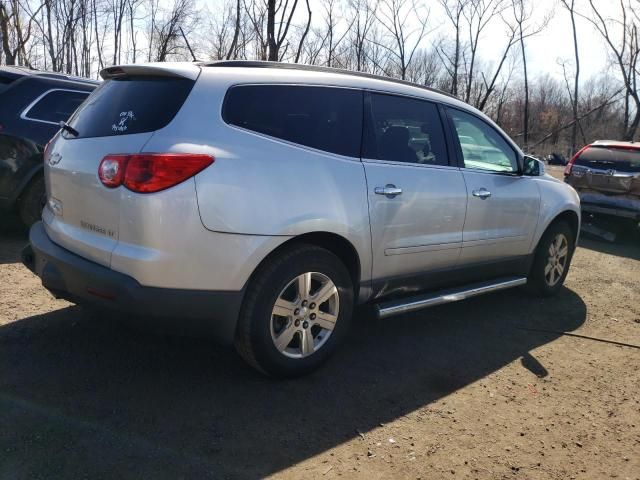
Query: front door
(502, 206)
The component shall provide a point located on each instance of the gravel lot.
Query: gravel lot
(488, 388)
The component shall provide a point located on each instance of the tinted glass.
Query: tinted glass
(325, 118)
(621, 160)
(404, 130)
(57, 105)
(128, 105)
(482, 146)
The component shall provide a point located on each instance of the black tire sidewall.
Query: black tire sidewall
(30, 204)
(271, 283)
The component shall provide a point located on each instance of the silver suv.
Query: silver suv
(263, 201)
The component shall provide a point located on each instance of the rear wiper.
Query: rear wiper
(68, 128)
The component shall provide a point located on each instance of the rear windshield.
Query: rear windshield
(325, 118)
(128, 105)
(602, 158)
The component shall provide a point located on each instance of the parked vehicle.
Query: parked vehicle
(32, 105)
(556, 159)
(606, 175)
(264, 200)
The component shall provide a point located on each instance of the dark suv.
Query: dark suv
(32, 103)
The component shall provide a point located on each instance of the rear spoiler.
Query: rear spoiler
(168, 69)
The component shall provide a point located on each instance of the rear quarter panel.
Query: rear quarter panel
(262, 186)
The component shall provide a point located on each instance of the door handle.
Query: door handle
(482, 193)
(389, 190)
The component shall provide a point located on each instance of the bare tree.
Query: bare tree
(403, 41)
(453, 10)
(625, 53)
(570, 7)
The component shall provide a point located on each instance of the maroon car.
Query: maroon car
(606, 175)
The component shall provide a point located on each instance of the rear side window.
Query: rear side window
(404, 129)
(123, 106)
(325, 118)
(56, 105)
(601, 158)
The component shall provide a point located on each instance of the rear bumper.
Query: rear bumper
(611, 211)
(81, 281)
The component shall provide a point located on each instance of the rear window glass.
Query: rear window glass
(325, 118)
(602, 158)
(123, 106)
(56, 105)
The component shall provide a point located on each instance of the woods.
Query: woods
(438, 43)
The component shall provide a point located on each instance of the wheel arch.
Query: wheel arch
(32, 174)
(571, 218)
(336, 244)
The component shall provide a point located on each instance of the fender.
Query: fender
(555, 199)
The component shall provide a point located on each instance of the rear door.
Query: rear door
(417, 200)
(119, 117)
(502, 206)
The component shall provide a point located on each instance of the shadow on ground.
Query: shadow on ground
(83, 398)
(626, 246)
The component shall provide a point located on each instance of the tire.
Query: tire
(275, 344)
(549, 268)
(32, 201)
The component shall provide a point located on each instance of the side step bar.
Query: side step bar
(411, 304)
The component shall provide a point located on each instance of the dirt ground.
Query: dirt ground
(502, 386)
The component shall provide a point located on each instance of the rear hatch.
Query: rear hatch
(119, 117)
(606, 169)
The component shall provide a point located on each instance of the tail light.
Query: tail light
(150, 172)
(567, 169)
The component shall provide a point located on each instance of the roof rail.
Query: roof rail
(315, 68)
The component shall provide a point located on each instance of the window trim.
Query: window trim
(25, 112)
(367, 113)
(289, 142)
(458, 147)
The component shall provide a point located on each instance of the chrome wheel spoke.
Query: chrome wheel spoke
(326, 320)
(283, 340)
(327, 291)
(307, 345)
(284, 308)
(304, 285)
(563, 251)
(547, 269)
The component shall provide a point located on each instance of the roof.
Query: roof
(616, 144)
(17, 71)
(315, 68)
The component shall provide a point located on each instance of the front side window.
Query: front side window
(56, 106)
(404, 129)
(325, 118)
(482, 146)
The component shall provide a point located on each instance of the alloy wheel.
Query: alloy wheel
(304, 315)
(557, 260)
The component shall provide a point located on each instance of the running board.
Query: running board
(411, 304)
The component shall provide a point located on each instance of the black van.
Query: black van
(32, 103)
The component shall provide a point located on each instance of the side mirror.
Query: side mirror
(532, 167)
